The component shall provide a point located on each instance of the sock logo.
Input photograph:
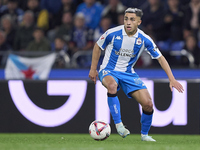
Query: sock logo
(115, 108)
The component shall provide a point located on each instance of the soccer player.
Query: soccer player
(123, 46)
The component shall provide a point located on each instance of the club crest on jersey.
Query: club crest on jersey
(139, 41)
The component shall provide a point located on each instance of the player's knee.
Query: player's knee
(112, 88)
(148, 106)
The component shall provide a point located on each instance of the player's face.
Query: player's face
(131, 23)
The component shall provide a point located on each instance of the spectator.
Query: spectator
(120, 19)
(12, 9)
(103, 2)
(192, 18)
(92, 12)
(153, 22)
(82, 38)
(144, 61)
(62, 59)
(33, 5)
(174, 18)
(8, 28)
(53, 7)
(40, 43)
(135, 3)
(64, 30)
(60, 45)
(77, 2)
(184, 2)
(68, 5)
(41, 17)
(23, 4)
(43, 20)
(192, 47)
(3, 47)
(25, 31)
(1, 5)
(105, 24)
(113, 9)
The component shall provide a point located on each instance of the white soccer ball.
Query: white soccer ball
(99, 130)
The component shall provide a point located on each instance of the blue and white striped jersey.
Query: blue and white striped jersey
(122, 51)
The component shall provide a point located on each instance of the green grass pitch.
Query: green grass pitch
(46, 141)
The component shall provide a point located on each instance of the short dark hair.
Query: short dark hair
(137, 11)
(38, 29)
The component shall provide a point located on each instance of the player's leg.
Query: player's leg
(113, 101)
(114, 105)
(143, 97)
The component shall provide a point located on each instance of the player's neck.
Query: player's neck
(131, 33)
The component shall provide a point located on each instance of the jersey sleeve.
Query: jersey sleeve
(104, 40)
(152, 49)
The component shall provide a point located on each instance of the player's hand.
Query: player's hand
(93, 75)
(176, 85)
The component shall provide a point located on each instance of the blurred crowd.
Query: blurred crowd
(70, 26)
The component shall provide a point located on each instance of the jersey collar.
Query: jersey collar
(124, 33)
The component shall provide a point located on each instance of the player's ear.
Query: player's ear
(139, 22)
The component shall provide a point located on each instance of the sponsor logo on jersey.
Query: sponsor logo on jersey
(118, 38)
(125, 52)
(155, 49)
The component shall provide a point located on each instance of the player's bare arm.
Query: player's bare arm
(93, 74)
(173, 82)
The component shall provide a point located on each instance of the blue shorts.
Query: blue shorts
(129, 82)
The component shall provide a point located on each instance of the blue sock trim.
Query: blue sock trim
(114, 105)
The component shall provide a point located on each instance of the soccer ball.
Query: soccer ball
(99, 130)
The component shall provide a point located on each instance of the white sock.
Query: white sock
(143, 134)
(118, 124)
